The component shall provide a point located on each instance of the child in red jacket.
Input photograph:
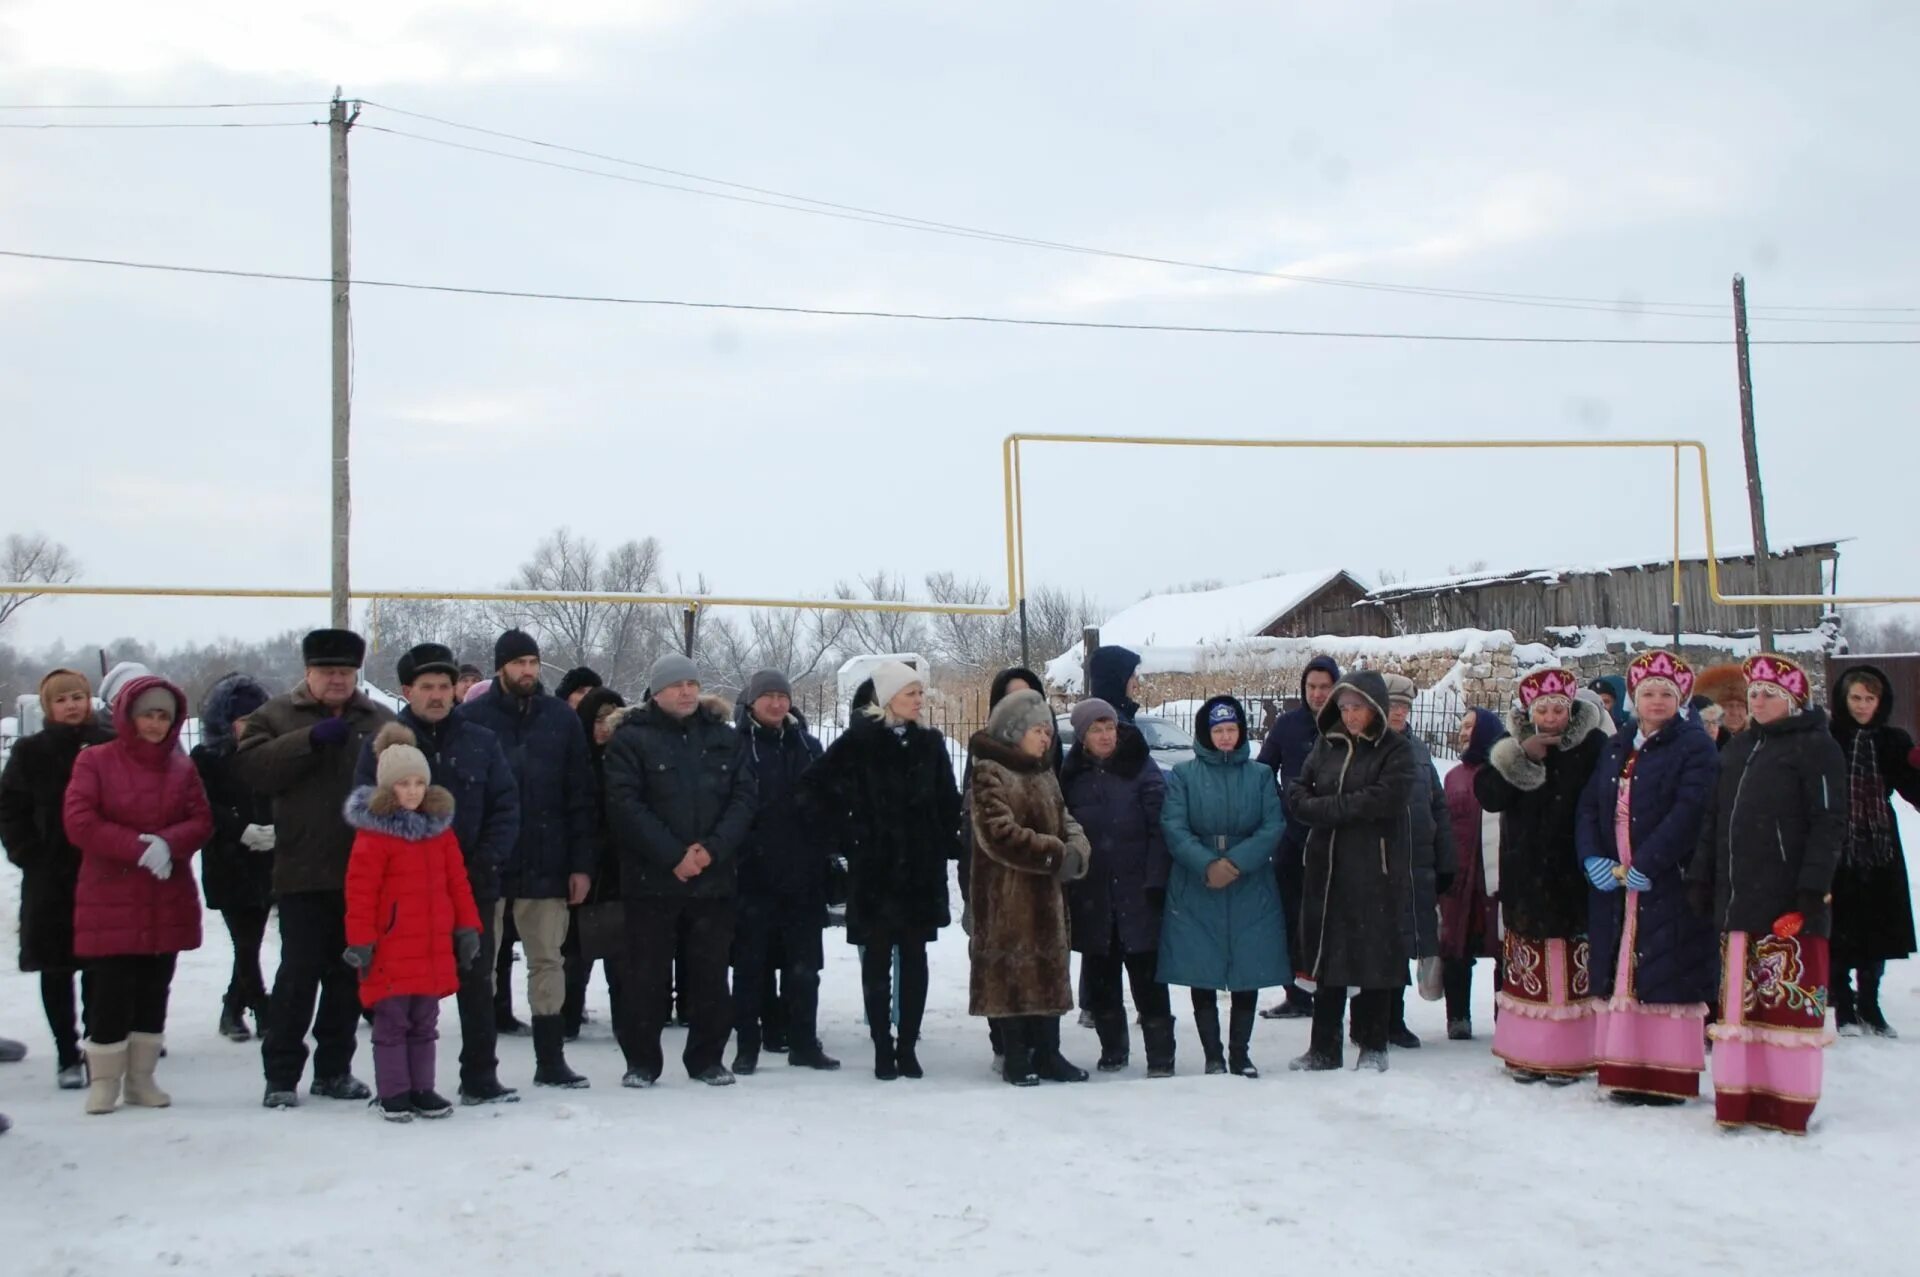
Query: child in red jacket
(410, 917)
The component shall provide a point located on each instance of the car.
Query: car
(1169, 743)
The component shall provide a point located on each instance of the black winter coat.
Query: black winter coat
(1353, 796)
(1289, 743)
(1872, 903)
(32, 790)
(671, 783)
(232, 876)
(1117, 803)
(309, 784)
(1433, 853)
(784, 860)
(466, 761)
(1772, 837)
(1676, 955)
(1543, 891)
(887, 796)
(559, 812)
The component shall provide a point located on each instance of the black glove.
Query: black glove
(1442, 883)
(329, 732)
(466, 947)
(359, 957)
(1813, 906)
(1700, 900)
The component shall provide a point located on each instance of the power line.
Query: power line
(906, 222)
(174, 124)
(926, 317)
(147, 106)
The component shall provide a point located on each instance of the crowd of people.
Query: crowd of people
(1653, 873)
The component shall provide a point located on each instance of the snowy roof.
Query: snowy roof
(1508, 576)
(1206, 616)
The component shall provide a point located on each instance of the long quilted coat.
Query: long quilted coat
(33, 789)
(407, 893)
(119, 792)
(1676, 955)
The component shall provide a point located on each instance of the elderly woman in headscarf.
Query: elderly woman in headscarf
(1469, 914)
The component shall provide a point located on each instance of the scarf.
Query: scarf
(1869, 814)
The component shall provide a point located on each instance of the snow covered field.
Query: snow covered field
(1438, 1167)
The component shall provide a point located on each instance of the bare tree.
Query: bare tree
(970, 642)
(1880, 630)
(1056, 619)
(872, 633)
(33, 558)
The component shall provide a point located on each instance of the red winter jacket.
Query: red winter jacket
(118, 792)
(407, 893)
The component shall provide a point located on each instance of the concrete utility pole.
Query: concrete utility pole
(339, 120)
(1756, 498)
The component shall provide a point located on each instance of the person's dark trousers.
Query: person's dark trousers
(1100, 984)
(129, 996)
(766, 929)
(1372, 1013)
(653, 929)
(876, 984)
(313, 935)
(247, 985)
(573, 1013)
(1292, 874)
(676, 1011)
(479, 1041)
(64, 1016)
(773, 1006)
(503, 969)
(1457, 978)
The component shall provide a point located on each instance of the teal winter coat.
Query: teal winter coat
(1223, 805)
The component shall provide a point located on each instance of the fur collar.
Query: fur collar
(1129, 756)
(714, 709)
(992, 749)
(378, 811)
(1511, 761)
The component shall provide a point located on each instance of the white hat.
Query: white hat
(892, 678)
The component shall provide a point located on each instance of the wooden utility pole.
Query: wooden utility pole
(338, 122)
(1756, 498)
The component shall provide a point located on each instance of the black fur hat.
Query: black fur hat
(338, 648)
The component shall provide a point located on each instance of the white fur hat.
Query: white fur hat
(892, 678)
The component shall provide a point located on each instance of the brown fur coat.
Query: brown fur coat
(1025, 846)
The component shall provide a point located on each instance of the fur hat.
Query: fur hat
(767, 683)
(1607, 724)
(1546, 684)
(512, 646)
(1778, 671)
(890, 678)
(333, 648)
(58, 683)
(1017, 715)
(1400, 690)
(1723, 684)
(1091, 711)
(1661, 667)
(398, 758)
(426, 658)
(577, 679)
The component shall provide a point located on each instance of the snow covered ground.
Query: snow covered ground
(1438, 1167)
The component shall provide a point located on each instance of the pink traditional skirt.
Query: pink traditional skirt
(1767, 1056)
(1546, 1007)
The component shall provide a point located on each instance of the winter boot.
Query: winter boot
(106, 1069)
(344, 1087)
(12, 1052)
(143, 1054)
(1525, 1077)
(714, 1075)
(1324, 1052)
(487, 1090)
(1017, 1051)
(1206, 1022)
(233, 1020)
(1398, 1034)
(71, 1077)
(1870, 1013)
(746, 1054)
(907, 1059)
(1459, 1030)
(395, 1108)
(1372, 1058)
(1240, 1038)
(811, 1055)
(886, 1066)
(550, 1055)
(1159, 1037)
(1115, 1050)
(429, 1104)
(1044, 1033)
(1298, 1006)
(1846, 1011)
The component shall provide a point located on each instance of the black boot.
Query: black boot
(1206, 1022)
(550, 1055)
(1846, 1012)
(233, 1020)
(1115, 1049)
(1159, 1038)
(886, 1064)
(1017, 1052)
(1240, 1038)
(1044, 1031)
(907, 1059)
(803, 1024)
(1398, 1034)
(746, 1054)
(1870, 1013)
(1324, 1052)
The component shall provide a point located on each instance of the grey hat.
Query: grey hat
(1089, 712)
(1018, 714)
(767, 683)
(1400, 689)
(670, 669)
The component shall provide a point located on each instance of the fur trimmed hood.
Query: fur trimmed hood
(1511, 761)
(378, 811)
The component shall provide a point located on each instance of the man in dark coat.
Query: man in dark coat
(300, 749)
(680, 810)
(1289, 741)
(32, 790)
(783, 879)
(552, 862)
(1434, 860)
(466, 761)
(1112, 676)
(1353, 796)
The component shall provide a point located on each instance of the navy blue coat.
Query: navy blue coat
(782, 859)
(1289, 741)
(559, 809)
(1117, 803)
(466, 761)
(1676, 955)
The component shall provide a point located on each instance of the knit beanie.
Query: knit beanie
(1019, 714)
(398, 758)
(1089, 712)
(1400, 690)
(117, 679)
(512, 646)
(767, 683)
(158, 696)
(891, 678)
(670, 669)
(58, 683)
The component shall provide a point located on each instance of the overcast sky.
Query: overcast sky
(174, 429)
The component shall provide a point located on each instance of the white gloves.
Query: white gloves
(257, 838)
(157, 859)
